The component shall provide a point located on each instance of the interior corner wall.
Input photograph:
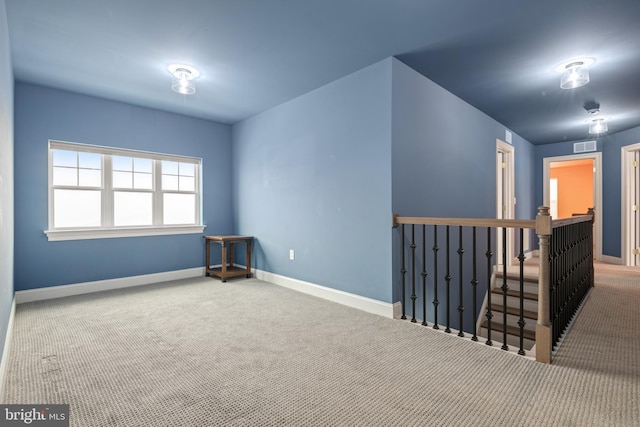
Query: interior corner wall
(444, 159)
(313, 175)
(444, 153)
(6, 179)
(611, 147)
(43, 113)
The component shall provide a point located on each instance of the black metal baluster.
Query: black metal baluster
(402, 272)
(460, 300)
(413, 273)
(424, 275)
(435, 277)
(447, 280)
(474, 286)
(521, 322)
(505, 288)
(489, 255)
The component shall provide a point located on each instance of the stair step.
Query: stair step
(511, 330)
(515, 311)
(516, 293)
(516, 277)
(529, 283)
(512, 340)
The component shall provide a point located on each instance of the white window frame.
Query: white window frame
(107, 229)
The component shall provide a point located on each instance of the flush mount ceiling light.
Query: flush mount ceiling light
(575, 72)
(182, 80)
(598, 126)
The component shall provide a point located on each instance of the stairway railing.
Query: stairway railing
(565, 274)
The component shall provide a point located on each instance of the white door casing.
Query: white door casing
(597, 189)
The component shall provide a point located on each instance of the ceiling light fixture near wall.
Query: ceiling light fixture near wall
(183, 78)
(598, 126)
(575, 72)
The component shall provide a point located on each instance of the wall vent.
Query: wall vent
(584, 147)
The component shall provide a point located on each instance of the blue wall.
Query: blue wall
(44, 113)
(611, 148)
(444, 165)
(6, 178)
(314, 175)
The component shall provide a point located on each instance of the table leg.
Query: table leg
(248, 243)
(207, 263)
(224, 263)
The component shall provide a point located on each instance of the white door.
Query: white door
(631, 205)
(504, 199)
(635, 213)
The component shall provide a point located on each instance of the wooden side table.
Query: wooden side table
(228, 269)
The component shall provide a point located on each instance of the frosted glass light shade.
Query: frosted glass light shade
(574, 76)
(598, 126)
(182, 82)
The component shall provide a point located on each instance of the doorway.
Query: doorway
(505, 199)
(578, 186)
(631, 205)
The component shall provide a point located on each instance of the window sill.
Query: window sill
(107, 233)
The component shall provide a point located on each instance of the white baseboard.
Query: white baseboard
(611, 260)
(104, 285)
(369, 305)
(4, 362)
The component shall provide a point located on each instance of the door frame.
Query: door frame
(508, 188)
(627, 217)
(596, 156)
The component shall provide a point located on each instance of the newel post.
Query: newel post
(543, 326)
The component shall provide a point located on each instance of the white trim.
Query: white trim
(597, 187)
(508, 152)
(369, 305)
(106, 233)
(612, 260)
(41, 294)
(4, 362)
(397, 309)
(626, 185)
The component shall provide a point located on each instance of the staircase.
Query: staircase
(530, 313)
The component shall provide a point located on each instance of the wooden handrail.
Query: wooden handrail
(465, 222)
(572, 220)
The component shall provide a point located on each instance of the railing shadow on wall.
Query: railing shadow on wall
(448, 264)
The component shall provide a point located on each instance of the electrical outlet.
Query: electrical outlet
(292, 254)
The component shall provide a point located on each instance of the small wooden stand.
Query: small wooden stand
(228, 269)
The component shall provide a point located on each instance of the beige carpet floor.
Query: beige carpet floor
(247, 353)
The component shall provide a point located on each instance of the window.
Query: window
(98, 192)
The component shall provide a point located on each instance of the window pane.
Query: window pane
(122, 179)
(65, 176)
(188, 169)
(132, 208)
(76, 208)
(142, 181)
(90, 177)
(90, 160)
(179, 209)
(65, 158)
(142, 165)
(187, 183)
(169, 182)
(122, 163)
(169, 168)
